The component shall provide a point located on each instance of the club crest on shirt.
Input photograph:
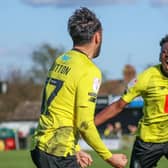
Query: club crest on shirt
(96, 84)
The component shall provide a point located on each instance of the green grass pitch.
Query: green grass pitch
(21, 159)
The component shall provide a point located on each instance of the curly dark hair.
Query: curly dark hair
(164, 40)
(82, 25)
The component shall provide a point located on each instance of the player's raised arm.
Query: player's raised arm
(110, 111)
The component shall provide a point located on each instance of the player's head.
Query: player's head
(83, 27)
(164, 54)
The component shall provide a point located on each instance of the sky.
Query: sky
(132, 30)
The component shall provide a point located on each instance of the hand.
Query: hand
(83, 159)
(118, 160)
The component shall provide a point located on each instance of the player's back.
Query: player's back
(61, 85)
(57, 132)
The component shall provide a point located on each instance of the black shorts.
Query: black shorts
(44, 160)
(147, 154)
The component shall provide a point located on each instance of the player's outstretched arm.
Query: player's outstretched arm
(110, 111)
(118, 160)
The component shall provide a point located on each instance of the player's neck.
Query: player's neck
(77, 49)
(163, 72)
(85, 50)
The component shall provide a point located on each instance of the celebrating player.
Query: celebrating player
(152, 136)
(68, 103)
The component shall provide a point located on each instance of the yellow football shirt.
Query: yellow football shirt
(68, 107)
(152, 85)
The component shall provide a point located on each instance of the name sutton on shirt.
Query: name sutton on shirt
(59, 68)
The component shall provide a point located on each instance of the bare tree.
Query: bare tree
(43, 58)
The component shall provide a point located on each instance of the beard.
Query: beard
(97, 51)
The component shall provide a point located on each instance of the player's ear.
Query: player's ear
(97, 37)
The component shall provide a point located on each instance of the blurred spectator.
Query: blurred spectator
(118, 129)
(132, 129)
(22, 139)
(109, 131)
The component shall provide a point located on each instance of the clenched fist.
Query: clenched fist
(118, 160)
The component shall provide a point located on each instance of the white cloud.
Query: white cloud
(67, 3)
(159, 3)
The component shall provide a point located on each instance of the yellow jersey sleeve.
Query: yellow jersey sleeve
(87, 90)
(137, 87)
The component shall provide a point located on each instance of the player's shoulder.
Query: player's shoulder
(152, 68)
(81, 62)
(94, 66)
(85, 63)
(94, 70)
(150, 71)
